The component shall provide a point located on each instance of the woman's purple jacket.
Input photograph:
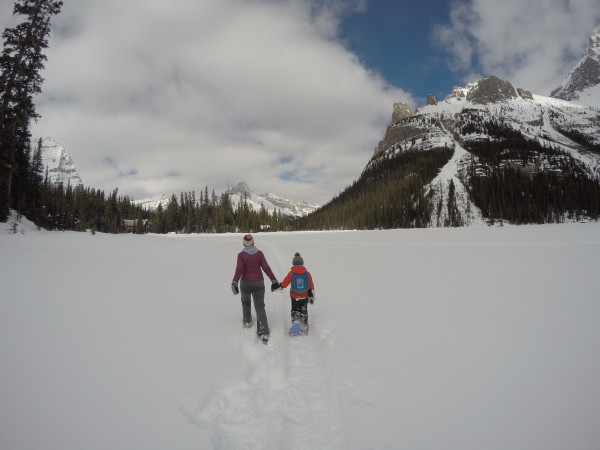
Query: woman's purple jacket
(249, 262)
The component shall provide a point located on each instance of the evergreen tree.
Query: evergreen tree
(21, 62)
(36, 180)
(454, 217)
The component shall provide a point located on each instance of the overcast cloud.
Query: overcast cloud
(172, 95)
(168, 96)
(532, 43)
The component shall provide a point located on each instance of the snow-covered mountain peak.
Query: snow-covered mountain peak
(488, 90)
(152, 203)
(595, 41)
(57, 164)
(240, 189)
(582, 84)
(270, 201)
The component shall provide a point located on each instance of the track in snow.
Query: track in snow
(287, 399)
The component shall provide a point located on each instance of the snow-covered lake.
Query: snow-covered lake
(466, 339)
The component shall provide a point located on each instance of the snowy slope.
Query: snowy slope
(471, 338)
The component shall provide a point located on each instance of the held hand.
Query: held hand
(234, 288)
(275, 286)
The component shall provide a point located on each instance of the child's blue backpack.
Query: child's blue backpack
(299, 284)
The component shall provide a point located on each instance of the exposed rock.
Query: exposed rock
(398, 133)
(491, 90)
(458, 92)
(432, 100)
(395, 133)
(527, 95)
(401, 111)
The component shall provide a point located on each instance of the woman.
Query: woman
(251, 263)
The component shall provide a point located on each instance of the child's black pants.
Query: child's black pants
(300, 310)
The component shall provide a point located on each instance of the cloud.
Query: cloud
(533, 43)
(168, 96)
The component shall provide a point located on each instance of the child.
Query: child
(301, 292)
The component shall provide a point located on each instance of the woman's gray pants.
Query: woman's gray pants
(254, 290)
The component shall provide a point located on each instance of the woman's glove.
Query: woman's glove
(275, 285)
(234, 288)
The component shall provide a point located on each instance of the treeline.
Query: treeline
(390, 193)
(79, 209)
(213, 214)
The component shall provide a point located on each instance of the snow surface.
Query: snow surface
(471, 338)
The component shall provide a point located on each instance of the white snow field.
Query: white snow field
(467, 339)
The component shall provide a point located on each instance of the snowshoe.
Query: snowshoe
(264, 338)
(304, 329)
(295, 329)
(249, 324)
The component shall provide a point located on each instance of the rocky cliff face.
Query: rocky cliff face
(582, 84)
(488, 90)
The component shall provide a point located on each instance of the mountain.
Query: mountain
(582, 84)
(271, 202)
(152, 203)
(488, 153)
(58, 165)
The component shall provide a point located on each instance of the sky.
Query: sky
(291, 96)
